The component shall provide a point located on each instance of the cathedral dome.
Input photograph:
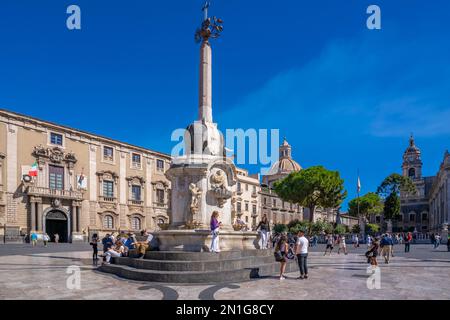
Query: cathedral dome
(285, 164)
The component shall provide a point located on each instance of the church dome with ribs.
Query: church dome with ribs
(285, 164)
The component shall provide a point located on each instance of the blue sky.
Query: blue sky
(345, 97)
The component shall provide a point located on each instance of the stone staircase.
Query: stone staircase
(198, 267)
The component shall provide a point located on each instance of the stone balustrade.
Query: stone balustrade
(55, 193)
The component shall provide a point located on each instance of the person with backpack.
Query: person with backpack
(281, 251)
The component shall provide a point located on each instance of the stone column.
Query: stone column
(205, 83)
(33, 214)
(78, 209)
(73, 218)
(39, 224)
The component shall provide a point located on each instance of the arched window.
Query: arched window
(161, 221)
(108, 222)
(135, 223)
(412, 173)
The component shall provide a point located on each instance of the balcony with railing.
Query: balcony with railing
(108, 199)
(132, 202)
(161, 205)
(136, 165)
(55, 193)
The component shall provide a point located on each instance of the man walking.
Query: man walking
(437, 241)
(301, 251)
(33, 238)
(330, 242)
(342, 245)
(386, 248)
(408, 241)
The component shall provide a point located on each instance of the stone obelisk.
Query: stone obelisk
(205, 83)
(202, 178)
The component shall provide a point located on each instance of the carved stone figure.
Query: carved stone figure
(195, 195)
(218, 180)
(219, 188)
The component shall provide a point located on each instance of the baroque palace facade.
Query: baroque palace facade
(84, 183)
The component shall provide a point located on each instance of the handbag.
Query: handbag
(278, 256)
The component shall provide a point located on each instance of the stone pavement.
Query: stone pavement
(41, 273)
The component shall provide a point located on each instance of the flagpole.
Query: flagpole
(361, 221)
(357, 189)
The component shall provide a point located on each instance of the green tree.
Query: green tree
(356, 229)
(340, 229)
(280, 228)
(369, 204)
(311, 188)
(372, 228)
(321, 226)
(390, 190)
(391, 206)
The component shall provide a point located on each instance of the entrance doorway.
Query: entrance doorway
(56, 223)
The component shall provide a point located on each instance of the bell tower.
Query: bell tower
(285, 150)
(412, 161)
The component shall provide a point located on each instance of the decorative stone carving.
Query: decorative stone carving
(108, 175)
(218, 180)
(195, 197)
(56, 203)
(107, 205)
(219, 187)
(136, 180)
(160, 185)
(55, 155)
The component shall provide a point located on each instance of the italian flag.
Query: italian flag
(34, 170)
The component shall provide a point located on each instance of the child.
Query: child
(94, 244)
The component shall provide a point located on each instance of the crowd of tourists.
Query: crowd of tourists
(122, 245)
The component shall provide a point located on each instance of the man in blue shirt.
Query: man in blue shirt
(33, 238)
(386, 245)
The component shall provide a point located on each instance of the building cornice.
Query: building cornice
(29, 122)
